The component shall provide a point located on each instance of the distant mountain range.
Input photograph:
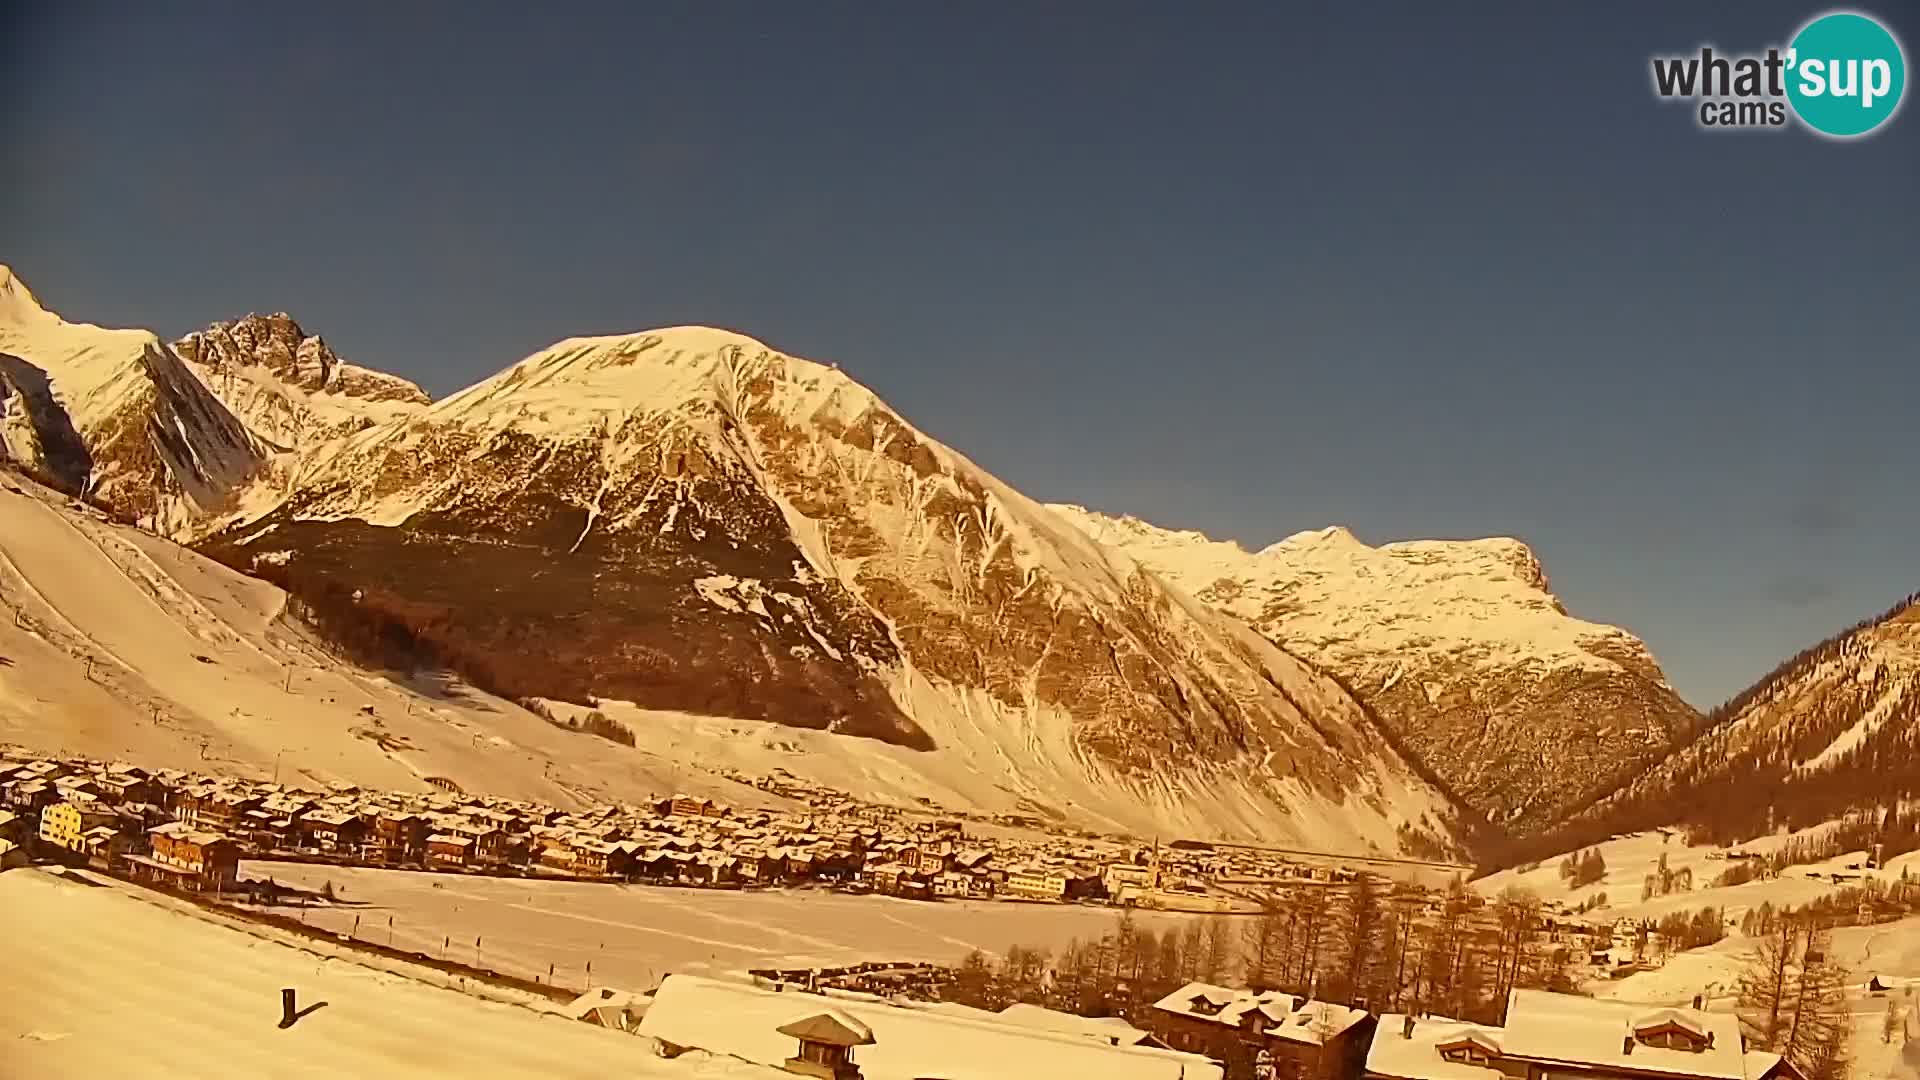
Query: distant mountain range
(690, 522)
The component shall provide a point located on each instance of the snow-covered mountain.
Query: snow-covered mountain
(288, 385)
(689, 520)
(1458, 646)
(158, 445)
(1832, 730)
(116, 643)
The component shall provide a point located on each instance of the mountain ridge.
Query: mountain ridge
(1459, 646)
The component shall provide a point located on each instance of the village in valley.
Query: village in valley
(1260, 977)
(192, 831)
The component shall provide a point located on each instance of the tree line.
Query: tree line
(1728, 785)
(1364, 945)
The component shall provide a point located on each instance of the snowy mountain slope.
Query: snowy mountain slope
(116, 643)
(1834, 729)
(288, 385)
(1458, 646)
(691, 521)
(159, 445)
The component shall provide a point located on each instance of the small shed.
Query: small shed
(827, 1040)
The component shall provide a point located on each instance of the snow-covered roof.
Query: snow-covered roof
(742, 1020)
(1561, 1027)
(1395, 1054)
(1287, 1016)
(1111, 1029)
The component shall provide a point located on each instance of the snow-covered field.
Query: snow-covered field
(1631, 858)
(1890, 951)
(102, 980)
(635, 935)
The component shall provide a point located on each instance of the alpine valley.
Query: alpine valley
(757, 567)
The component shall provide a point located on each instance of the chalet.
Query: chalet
(598, 857)
(70, 788)
(559, 853)
(961, 886)
(1291, 1037)
(489, 842)
(844, 1036)
(1564, 1037)
(446, 849)
(46, 770)
(105, 845)
(395, 837)
(264, 830)
(934, 858)
(688, 806)
(128, 787)
(222, 809)
(191, 858)
(29, 797)
(332, 830)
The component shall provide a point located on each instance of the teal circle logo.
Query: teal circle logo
(1845, 74)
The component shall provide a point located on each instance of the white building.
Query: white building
(744, 1021)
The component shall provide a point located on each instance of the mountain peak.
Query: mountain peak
(1333, 537)
(288, 384)
(1457, 644)
(585, 382)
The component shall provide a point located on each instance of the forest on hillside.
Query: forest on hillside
(1732, 783)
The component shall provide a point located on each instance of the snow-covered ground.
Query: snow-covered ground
(117, 644)
(635, 935)
(1632, 857)
(102, 980)
(1890, 951)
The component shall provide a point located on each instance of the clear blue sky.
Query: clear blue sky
(1422, 272)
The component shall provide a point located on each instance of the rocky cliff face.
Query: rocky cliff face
(288, 385)
(35, 430)
(690, 520)
(1460, 648)
(159, 445)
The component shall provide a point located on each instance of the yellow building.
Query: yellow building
(65, 825)
(1035, 884)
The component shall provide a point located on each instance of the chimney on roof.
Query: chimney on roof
(1406, 1029)
(1626, 1043)
(1696, 1000)
(288, 1013)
